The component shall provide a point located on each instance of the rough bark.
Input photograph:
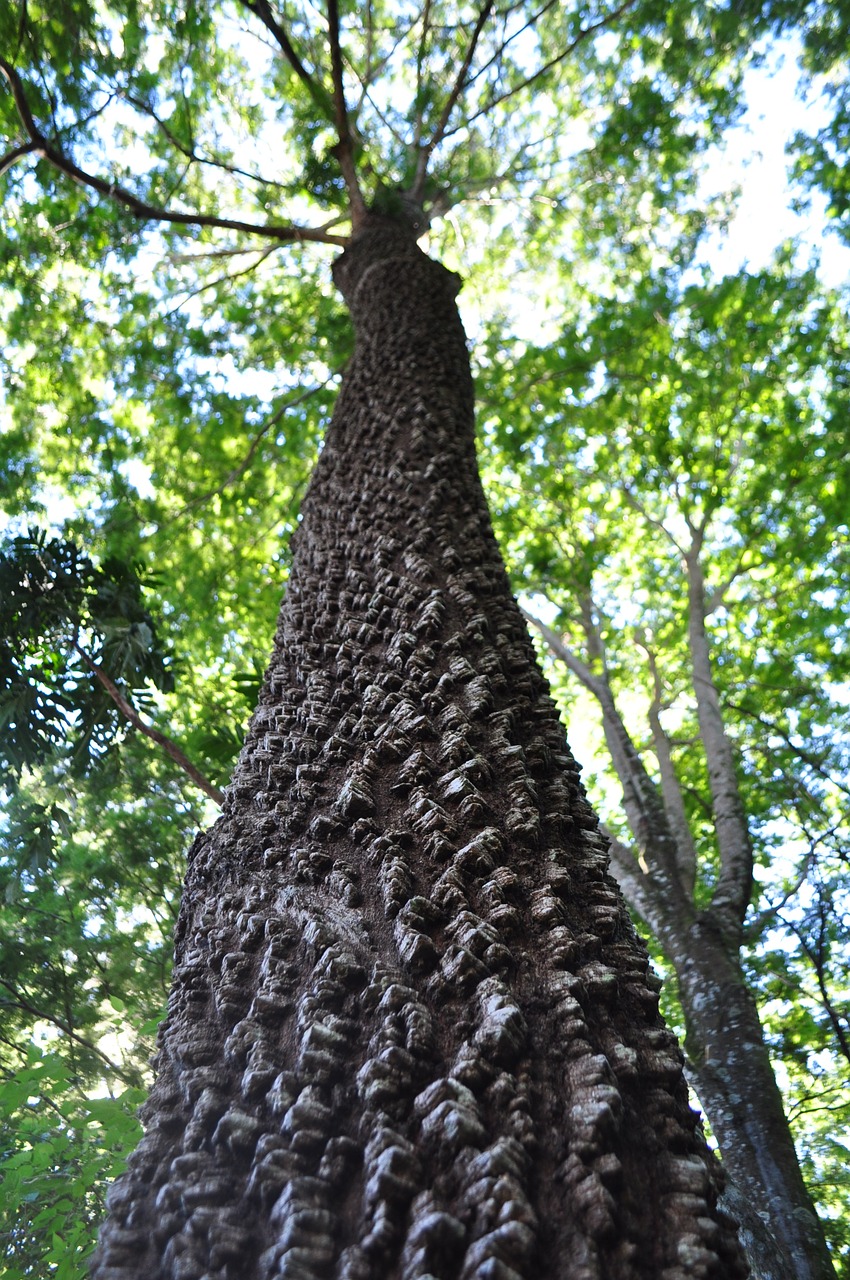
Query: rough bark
(732, 1075)
(412, 1032)
(727, 1058)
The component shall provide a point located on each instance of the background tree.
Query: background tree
(145, 386)
(659, 497)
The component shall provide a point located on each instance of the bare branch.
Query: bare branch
(226, 278)
(731, 895)
(129, 713)
(547, 66)
(818, 959)
(636, 886)
(637, 505)
(344, 150)
(25, 149)
(190, 152)
(262, 10)
(756, 926)
(139, 208)
(644, 811)
(570, 659)
(674, 805)
(457, 88)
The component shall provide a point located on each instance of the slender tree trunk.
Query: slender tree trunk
(411, 1032)
(733, 1078)
(728, 1060)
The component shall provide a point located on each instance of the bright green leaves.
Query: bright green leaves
(820, 157)
(59, 1149)
(89, 888)
(62, 618)
(707, 419)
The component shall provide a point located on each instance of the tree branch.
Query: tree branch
(6, 161)
(129, 713)
(674, 805)
(547, 66)
(139, 208)
(636, 886)
(816, 958)
(262, 10)
(566, 655)
(638, 506)
(644, 811)
(63, 1026)
(344, 150)
(189, 151)
(526, 26)
(226, 278)
(425, 153)
(418, 122)
(732, 892)
(807, 757)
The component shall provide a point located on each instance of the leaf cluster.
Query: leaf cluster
(63, 616)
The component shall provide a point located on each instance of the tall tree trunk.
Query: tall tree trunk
(728, 1060)
(411, 1032)
(733, 1077)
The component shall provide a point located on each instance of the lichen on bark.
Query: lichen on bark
(412, 1032)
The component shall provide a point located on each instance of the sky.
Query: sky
(755, 158)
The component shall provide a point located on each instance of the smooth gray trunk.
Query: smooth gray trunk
(412, 1032)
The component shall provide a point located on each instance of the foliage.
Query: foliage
(64, 616)
(57, 1158)
(709, 412)
(89, 888)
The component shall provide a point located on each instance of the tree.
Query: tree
(479, 93)
(389, 968)
(680, 496)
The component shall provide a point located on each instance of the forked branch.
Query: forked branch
(552, 62)
(426, 151)
(642, 805)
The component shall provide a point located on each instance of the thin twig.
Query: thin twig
(226, 278)
(189, 151)
(526, 26)
(547, 66)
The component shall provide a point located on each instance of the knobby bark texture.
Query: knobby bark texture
(727, 1058)
(412, 1032)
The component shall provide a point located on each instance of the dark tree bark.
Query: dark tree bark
(412, 1032)
(727, 1058)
